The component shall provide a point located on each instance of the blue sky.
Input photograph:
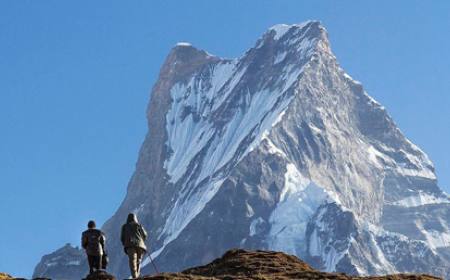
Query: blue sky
(75, 78)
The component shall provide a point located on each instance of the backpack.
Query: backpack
(105, 260)
(93, 240)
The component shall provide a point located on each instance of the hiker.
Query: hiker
(93, 241)
(133, 238)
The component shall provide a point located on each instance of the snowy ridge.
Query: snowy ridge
(327, 252)
(436, 239)
(184, 44)
(192, 131)
(299, 200)
(421, 199)
(188, 136)
(188, 124)
(417, 166)
(419, 163)
(282, 29)
(183, 213)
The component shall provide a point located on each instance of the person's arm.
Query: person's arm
(84, 241)
(102, 241)
(122, 235)
(144, 233)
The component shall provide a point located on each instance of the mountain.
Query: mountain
(279, 149)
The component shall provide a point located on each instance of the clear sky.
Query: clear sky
(75, 78)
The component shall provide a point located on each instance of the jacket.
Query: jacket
(133, 235)
(93, 241)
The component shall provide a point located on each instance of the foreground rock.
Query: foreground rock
(100, 275)
(4, 276)
(241, 264)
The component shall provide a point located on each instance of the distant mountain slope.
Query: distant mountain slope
(278, 149)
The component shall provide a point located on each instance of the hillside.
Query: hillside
(4, 276)
(242, 264)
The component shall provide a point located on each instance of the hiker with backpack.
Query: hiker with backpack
(93, 242)
(133, 238)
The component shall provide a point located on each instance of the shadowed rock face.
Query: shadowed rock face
(280, 150)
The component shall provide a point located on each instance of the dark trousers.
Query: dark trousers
(95, 262)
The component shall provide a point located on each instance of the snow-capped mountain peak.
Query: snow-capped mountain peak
(281, 149)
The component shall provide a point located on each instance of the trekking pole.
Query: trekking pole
(153, 263)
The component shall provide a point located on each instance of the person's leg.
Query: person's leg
(132, 260)
(99, 262)
(91, 261)
(139, 255)
(95, 263)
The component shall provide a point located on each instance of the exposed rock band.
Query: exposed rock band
(133, 236)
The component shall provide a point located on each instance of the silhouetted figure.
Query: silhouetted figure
(93, 241)
(133, 238)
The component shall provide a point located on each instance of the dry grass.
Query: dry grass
(100, 275)
(264, 265)
(4, 276)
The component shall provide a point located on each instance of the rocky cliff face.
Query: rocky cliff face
(279, 149)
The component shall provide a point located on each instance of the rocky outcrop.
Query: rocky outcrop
(100, 275)
(4, 276)
(241, 264)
